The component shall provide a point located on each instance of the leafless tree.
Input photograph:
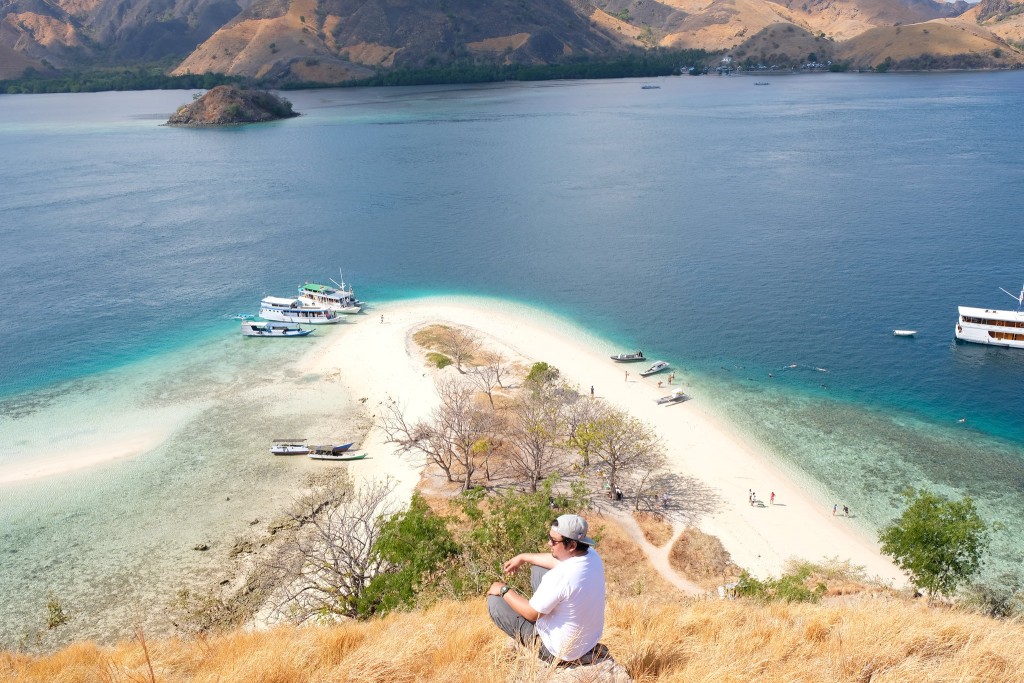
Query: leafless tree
(536, 434)
(489, 373)
(459, 344)
(459, 437)
(498, 366)
(326, 562)
(625, 448)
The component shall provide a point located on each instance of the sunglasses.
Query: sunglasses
(554, 541)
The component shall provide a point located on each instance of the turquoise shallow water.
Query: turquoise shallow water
(732, 230)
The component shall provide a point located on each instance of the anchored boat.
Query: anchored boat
(993, 326)
(292, 311)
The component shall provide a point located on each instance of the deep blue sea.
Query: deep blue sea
(731, 229)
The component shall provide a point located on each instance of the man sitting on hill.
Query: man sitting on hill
(566, 612)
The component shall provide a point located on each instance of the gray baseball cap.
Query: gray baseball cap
(573, 527)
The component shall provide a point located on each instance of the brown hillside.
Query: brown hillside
(352, 36)
(946, 43)
(722, 24)
(784, 44)
(1002, 17)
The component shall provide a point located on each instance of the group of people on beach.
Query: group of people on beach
(752, 498)
(835, 509)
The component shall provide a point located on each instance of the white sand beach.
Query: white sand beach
(378, 361)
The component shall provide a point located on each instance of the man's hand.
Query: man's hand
(495, 588)
(514, 564)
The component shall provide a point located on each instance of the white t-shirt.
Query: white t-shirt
(570, 600)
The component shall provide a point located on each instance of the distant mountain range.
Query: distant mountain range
(331, 41)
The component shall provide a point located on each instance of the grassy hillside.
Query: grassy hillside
(878, 640)
(857, 634)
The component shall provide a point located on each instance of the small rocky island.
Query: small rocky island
(226, 105)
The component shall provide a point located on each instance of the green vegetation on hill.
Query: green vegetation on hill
(99, 80)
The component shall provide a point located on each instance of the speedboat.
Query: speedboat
(904, 333)
(251, 328)
(629, 357)
(293, 311)
(992, 326)
(677, 396)
(654, 369)
(336, 299)
(289, 447)
(342, 457)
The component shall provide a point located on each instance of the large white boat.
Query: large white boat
(991, 326)
(292, 311)
(334, 298)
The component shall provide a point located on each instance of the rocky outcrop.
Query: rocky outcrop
(227, 105)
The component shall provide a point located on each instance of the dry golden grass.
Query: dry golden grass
(656, 530)
(880, 640)
(652, 630)
(702, 558)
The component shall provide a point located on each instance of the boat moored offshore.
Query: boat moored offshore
(284, 310)
(992, 326)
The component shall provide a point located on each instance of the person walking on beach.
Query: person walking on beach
(834, 508)
(627, 376)
(591, 391)
(771, 500)
(565, 617)
(846, 510)
(381, 318)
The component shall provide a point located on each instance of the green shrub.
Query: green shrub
(542, 373)
(439, 359)
(790, 587)
(55, 614)
(414, 545)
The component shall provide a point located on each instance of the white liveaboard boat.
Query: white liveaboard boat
(254, 328)
(284, 310)
(333, 298)
(992, 326)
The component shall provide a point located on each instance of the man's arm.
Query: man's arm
(544, 560)
(516, 601)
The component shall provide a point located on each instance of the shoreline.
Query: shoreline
(378, 362)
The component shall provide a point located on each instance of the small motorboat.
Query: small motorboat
(650, 87)
(904, 333)
(332, 449)
(342, 457)
(629, 357)
(242, 316)
(655, 369)
(252, 328)
(677, 396)
(289, 447)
